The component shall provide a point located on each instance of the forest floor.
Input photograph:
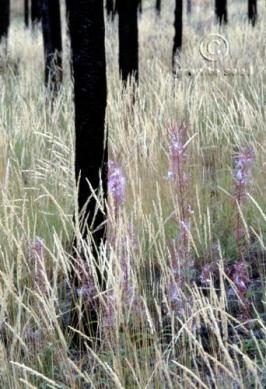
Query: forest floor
(185, 260)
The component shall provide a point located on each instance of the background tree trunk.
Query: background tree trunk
(52, 38)
(252, 12)
(4, 21)
(221, 11)
(128, 39)
(178, 25)
(26, 13)
(158, 7)
(35, 12)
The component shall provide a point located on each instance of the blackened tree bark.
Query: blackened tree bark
(35, 12)
(221, 11)
(26, 13)
(4, 20)
(158, 7)
(86, 27)
(52, 39)
(252, 12)
(128, 39)
(178, 25)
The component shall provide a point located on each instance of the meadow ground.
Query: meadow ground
(185, 260)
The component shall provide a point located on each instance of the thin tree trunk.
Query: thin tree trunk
(221, 11)
(26, 13)
(52, 38)
(4, 21)
(178, 25)
(158, 7)
(252, 12)
(128, 39)
(35, 12)
(86, 26)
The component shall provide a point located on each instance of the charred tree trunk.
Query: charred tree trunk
(86, 26)
(35, 12)
(221, 11)
(26, 13)
(128, 39)
(52, 39)
(158, 7)
(178, 24)
(4, 21)
(252, 12)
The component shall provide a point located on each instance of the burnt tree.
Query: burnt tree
(86, 26)
(35, 12)
(26, 13)
(252, 12)
(158, 7)
(128, 39)
(52, 39)
(221, 11)
(87, 34)
(4, 21)
(178, 25)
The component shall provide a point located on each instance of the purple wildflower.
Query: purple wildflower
(176, 299)
(109, 309)
(116, 185)
(243, 165)
(179, 177)
(239, 275)
(181, 263)
(88, 290)
(177, 174)
(177, 153)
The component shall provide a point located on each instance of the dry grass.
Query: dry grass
(208, 346)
